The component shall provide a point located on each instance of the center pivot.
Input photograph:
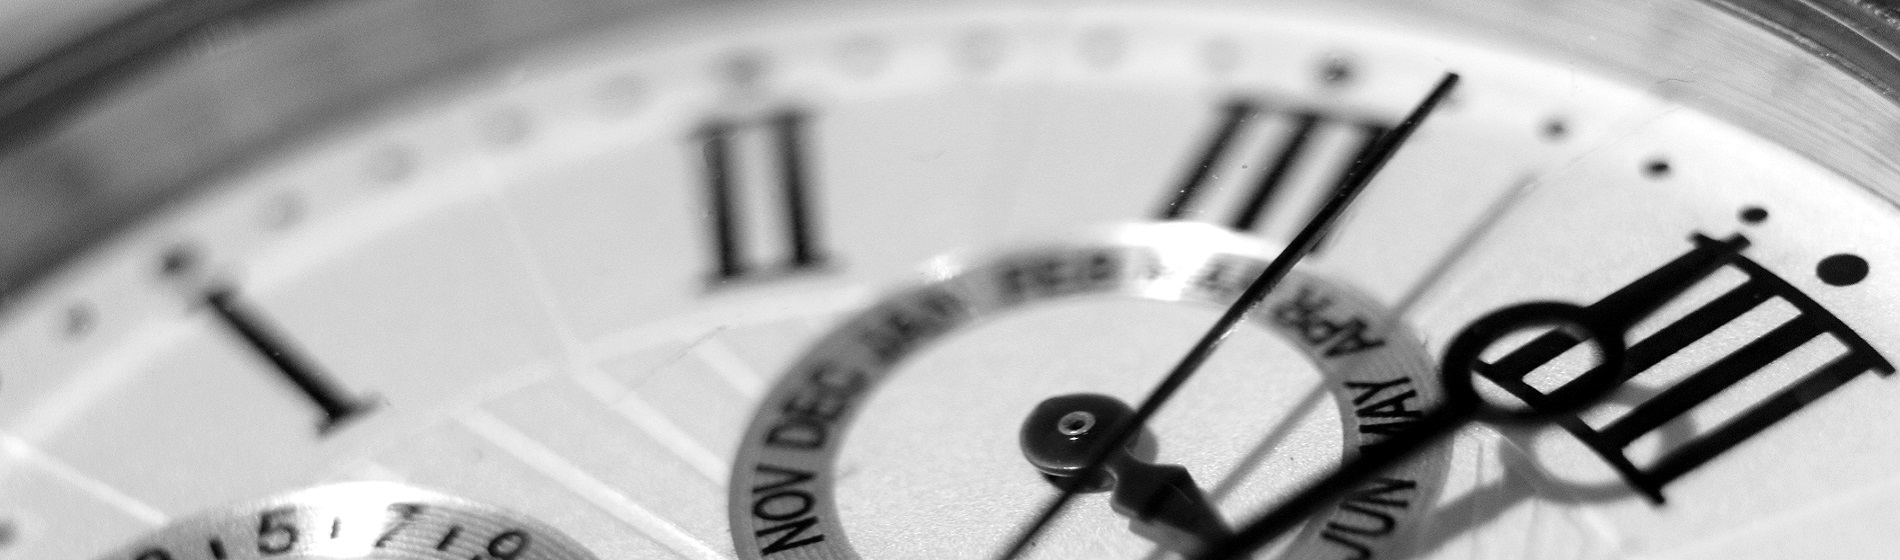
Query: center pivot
(1162, 502)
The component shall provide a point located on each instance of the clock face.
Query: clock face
(764, 281)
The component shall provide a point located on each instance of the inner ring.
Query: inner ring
(1377, 372)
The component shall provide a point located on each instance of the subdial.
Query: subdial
(915, 414)
(355, 520)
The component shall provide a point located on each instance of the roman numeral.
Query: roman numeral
(337, 403)
(1639, 299)
(1226, 185)
(759, 230)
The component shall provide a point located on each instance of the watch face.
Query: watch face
(509, 279)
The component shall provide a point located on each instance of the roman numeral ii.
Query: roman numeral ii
(766, 227)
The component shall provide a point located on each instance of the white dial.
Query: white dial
(568, 280)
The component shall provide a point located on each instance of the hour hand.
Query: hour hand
(1162, 502)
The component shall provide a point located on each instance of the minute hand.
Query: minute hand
(1355, 180)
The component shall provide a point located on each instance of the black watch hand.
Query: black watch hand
(1161, 502)
(1354, 181)
(1462, 405)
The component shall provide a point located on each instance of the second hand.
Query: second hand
(1355, 181)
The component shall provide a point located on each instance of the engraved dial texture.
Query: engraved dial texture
(790, 280)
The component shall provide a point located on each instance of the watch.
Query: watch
(503, 279)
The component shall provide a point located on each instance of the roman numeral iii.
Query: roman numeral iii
(1256, 158)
